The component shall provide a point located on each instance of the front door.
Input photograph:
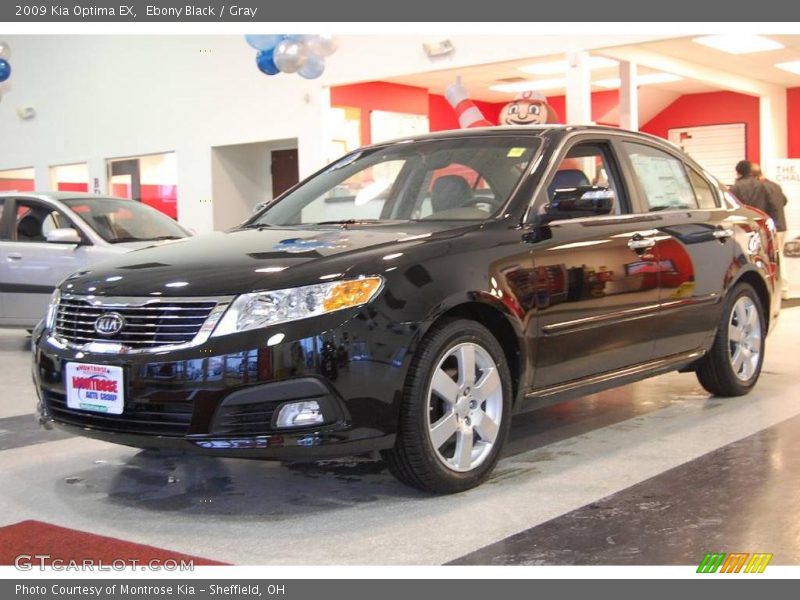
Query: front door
(596, 276)
(32, 266)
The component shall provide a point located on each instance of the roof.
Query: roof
(46, 195)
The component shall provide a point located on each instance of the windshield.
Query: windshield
(458, 179)
(117, 220)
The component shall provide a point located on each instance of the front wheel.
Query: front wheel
(733, 365)
(456, 410)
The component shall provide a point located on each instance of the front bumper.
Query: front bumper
(221, 397)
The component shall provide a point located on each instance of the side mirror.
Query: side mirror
(580, 201)
(65, 235)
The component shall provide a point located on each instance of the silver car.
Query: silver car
(46, 236)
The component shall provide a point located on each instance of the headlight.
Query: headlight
(262, 309)
(52, 308)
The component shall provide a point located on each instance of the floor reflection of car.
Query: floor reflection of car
(46, 236)
(463, 278)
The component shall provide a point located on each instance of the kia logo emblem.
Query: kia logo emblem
(109, 324)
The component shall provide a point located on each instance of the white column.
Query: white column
(628, 96)
(98, 176)
(773, 126)
(41, 177)
(313, 136)
(579, 88)
(195, 208)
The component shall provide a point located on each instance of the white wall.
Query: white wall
(100, 97)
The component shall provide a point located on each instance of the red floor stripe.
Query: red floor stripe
(64, 544)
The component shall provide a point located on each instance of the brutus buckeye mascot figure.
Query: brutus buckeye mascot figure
(528, 108)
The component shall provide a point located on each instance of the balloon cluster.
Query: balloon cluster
(5, 67)
(301, 54)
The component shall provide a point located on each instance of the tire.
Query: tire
(722, 371)
(475, 409)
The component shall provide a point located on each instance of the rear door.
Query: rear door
(596, 276)
(695, 248)
(31, 266)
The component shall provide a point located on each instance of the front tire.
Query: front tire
(456, 410)
(733, 365)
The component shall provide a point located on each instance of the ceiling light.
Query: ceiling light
(738, 44)
(560, 66)
(649, 79)
(525, 86)
(792, 66)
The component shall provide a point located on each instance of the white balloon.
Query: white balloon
(321, 45)
(5, 50)
(289, 56)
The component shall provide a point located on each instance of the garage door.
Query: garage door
(716, 147)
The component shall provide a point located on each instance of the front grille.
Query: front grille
(147, 324)
(170, 419)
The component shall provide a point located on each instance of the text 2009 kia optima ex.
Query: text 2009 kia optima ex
(412, 297)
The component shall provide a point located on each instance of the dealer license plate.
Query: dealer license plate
(96, 388)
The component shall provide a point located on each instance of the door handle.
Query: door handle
(641, 243)
(722, 234)
(14, 256)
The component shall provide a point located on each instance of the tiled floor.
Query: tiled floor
(652, 473)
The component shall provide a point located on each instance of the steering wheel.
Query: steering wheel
(494, 202)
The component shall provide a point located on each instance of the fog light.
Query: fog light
(299, 414)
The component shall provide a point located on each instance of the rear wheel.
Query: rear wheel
(455, 412)
(733, 365)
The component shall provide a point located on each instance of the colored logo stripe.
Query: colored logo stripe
(734, 562)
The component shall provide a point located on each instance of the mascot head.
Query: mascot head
(528, 108)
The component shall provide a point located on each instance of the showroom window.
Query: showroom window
(70, 178)
(151, 179)
(17, 180)
(662, 177)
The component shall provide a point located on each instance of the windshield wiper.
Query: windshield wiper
(148, 239)
(258, 226)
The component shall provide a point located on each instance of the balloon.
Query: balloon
(266, 63)
(5, 50)
(289, 56)
(321, 45)
(313, 68)
(5, 69)
(263, 42)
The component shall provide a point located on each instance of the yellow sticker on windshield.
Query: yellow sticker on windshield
(515, 152)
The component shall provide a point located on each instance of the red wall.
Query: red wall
(379, 95)
(160, 197)
(793, 121)
(713, 108)
(16, 185)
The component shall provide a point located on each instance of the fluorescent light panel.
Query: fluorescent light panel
(535, 85)
(648, 79)
(557, 67)
(738, 44)
(791, 66)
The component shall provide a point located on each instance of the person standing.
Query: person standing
(776, 201)
(748, 189)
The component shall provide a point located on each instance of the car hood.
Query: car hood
(245, 260)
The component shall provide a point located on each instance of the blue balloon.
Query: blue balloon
(5, 69)
(263, 42)
(266, 62)
(313, 67)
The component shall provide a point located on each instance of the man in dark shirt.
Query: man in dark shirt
(776, 200)
(748, 189)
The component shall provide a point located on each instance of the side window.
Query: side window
(662, 178)
(35, 220)
(706, 198)
(584, 184)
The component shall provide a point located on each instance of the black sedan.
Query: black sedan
(412, 297)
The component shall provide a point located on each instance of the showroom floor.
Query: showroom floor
(652, 473)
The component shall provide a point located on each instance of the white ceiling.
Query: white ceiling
(652, 98)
